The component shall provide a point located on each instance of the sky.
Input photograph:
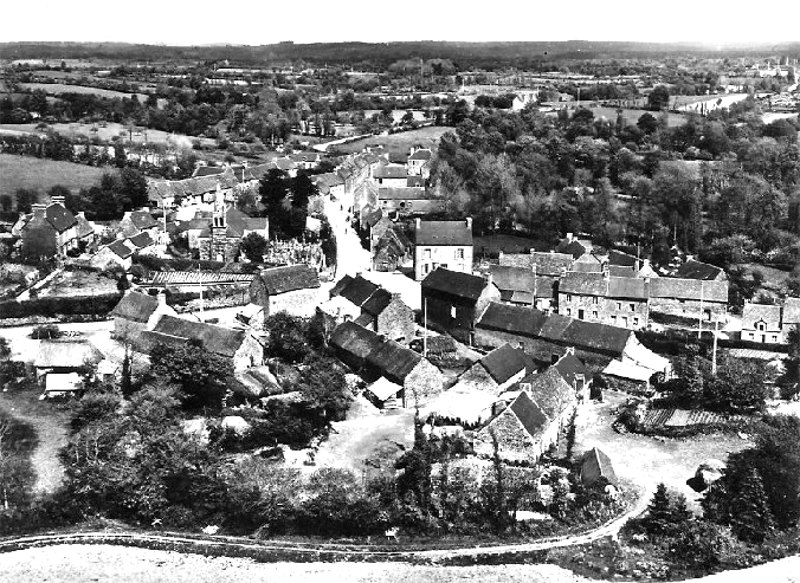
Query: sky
(252, 22)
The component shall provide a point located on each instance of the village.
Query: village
(499, 314)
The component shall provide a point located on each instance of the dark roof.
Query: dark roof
(596, 336)
(574, 248)
(143, 220)
(622, 259)
(135, 306)
(570, 367)
(216, 339)
(358, 290)
(141, 240)
(513, 278)
(596, 284)
(689, 289)
(396, 193)
(530, 415)
(393, 360)
(390, 171)
(340, 285)
(595, 465)
(549, 390)
(421, 154)
(545, 263)
(278, 280)
(513, 319)
(58, 216)
(697, 270)
(455, 283)
(415, 181)
(377, 302)
(767, 313)
(444, 233)
(208, 171)
(121, 249)
(355, 340)
(504, 362)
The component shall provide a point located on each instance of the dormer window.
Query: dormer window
(761, 326)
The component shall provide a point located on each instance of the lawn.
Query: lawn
(40, 174)
(399, 143)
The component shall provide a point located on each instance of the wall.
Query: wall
(422, 384)
(396, 322)
(515, 444)
(691, 309)
(441, 256)
(302, 302)
(249, 354)
(611, 311)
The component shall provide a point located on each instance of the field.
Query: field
(399, 143)
(631, 116)
(40, 174)
(107, 132)
(60, 88)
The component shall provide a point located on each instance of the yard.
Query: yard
(399, 143)
(646, 460)
(41, 175)
(78, 283)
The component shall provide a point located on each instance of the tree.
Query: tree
(5, 349)
(752, 522)
(253, 246)
(274, 188)
(302, 188)
(132, 188)
(290, 337)
(199, 374)
(16, 474)
(658, 98)
(26, 197)
(6, 202)
(647, 123)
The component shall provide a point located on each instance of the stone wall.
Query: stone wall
(423, 384)
(302, 302)
(690, 309)
(611, 311)
(396, 322)
(514, 443)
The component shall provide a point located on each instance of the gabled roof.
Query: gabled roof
(529, 414)
(59, 217)
(596, 336)
(216, 339)
(394, 360)
(444, 233)
(340, 285)
(505, 362)
(85, 228)
(355, 340)
(513, 278)
(142, 220)
(588, 262)
(455, 283)
(278, 280)
(573, 247)
(120, 248)
(415, 181)
(513, 319)
(754, 313)
(396, 193)
(596, 284)
(689, 289)
(421, 154)
(552, 263)
(377, 302)
(595, 465)
(358, 290)
(207, 171)
(141, 240)
(697, 270)
(66, 354)
(572, 369)
(239, 222)
(135, 306)
(621, 259)
(550, 391)
(390, 171)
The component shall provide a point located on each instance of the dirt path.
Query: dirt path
(51, 430)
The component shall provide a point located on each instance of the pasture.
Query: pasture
(39, 174)
(106, 132)
(399, 143)
(61, 88)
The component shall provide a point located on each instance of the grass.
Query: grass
(399, 143)
(109, 131)
(61, 88)
(631, 116)
(40, 174)
(78, 283)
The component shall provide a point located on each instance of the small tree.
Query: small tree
(752, 521)
(200, 374)
(253, 246)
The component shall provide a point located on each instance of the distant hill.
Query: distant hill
(487, 55)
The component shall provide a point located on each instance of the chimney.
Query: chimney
(570, 350)
(58, 199)
(417, 223)
(489, 278)
(396, 296)
(162, 298)
(570, 237)
(360, 274)
(469, 223)
(38, 209)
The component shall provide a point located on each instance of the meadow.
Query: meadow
(40, 174)
(106, 132)
(399, 143)
(61, 88)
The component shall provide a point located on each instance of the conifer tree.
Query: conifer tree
(659, 512)
(752, 521)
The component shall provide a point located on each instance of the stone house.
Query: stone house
(519, 428)
(574, 246)
(688, 301)
(136, 222)
(391, 176)
(764, 323)
(445, 244)
(49, 231)
(408, 201)
(497, 371)
(373, 356)
(85, 230)
(521, 286)
(196, 190)
(453, 302)
(693, 269)
(418, 163)
(240, 347)
(392, 249)
(596, 468)
(294, 289)
(220, 239)
(115, 254)
(599, 297)
(137, 312)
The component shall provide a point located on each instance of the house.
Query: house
(596, 468)
(370, 306)
(763, 323)
(330, 185)
(521, 286)
(599, 297)
(407, 201)
(546, 337)
(391, 175)
(306, 160)
(576, 374)
(220, 239)
(85, 230)
(196, 190)
(49, 231)
(574, 246)
(589, 263)
(693, 269)
(374, 356)
(518, 429)
(294, 289)
(137, 312)
(238, 346)
(137, 222)
(547, 269)
(65, 356)
(418, 163)
(687, 302)
(115, 254)
(384, 394)
(445, 244)
(453, 301)
(391, 249)
(497, 371)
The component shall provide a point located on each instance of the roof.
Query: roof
(59, 217)
(508, 278)
(62, 383)
(384, 389)
(415, 181)
(621, 259)
(135, 306)
(529, 413)
(549, 390)
(358, 290)
(505, 362)
(85, 228)
(195, 186)
(421, 154)
(141, 240)
(354, 339)
(444, 233)
(120, 248)
(689, 289)
(596, 336)
(142, 220)
(66, 354)
(628, 370)
(390, 171)
(545, 263)
(595, 465)
(216, 339)
(697, 270)
(573, 247)
(571, 368)
(405, 193)
(208, 170)
(791, 311)
(455, 283)
(278, 280)
(394, 360)
(597, 284)
(377, 302)
(340, 285)
(588, 262)
(767, 313)
(513, 319)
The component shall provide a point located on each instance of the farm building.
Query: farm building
(137, 312)
(65, 356)
(294, 289)
(596, 467)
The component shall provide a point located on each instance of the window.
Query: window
(761, 326)
(633, 307)
(569, 311)
(426, 254)
(636, 321)
(613, 320)
(595, 299)
(459, 254)
(594, 314)
(452, 311)
(569, 297)
(619, 305)
(774, 337)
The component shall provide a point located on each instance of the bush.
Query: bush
(65, 306)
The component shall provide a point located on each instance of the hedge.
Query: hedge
(53, 306)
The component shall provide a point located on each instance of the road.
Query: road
(351, 257)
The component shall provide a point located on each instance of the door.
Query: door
(580, 314)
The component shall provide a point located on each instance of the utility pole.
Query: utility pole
(200, 281)
(700, 317)
(714, 350)
(425, 327)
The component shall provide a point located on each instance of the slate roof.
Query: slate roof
(355, 340)
(791, 311)
(121, 249)
(395, 193)
(530, 415)
(455, 283)
(390, 171)
(698, 270)
(595, 465)
(444, 233)
(191, 186)
(135, 306)
(66, 354)
(358, 290)
(141, 240)
(143, 220)
(549, 390)
(394, 360)
(596, 336)
(574, 248)
(59, 217)
(572, 369)
(208, 171)
(769, 314)
(596, 284)
(415, 181)
(340, 285)
(216, 339)
(588, 262)
(689, 289)
(513, 319)
(421, 154)
(513, 278)
(505, 362)
(546, 263)
(279, 280)
(377, 302)
(622, 259)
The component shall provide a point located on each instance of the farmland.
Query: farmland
(107, 132)
(39, 174)
(61, 88)
(399, 143)
(631, 116)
